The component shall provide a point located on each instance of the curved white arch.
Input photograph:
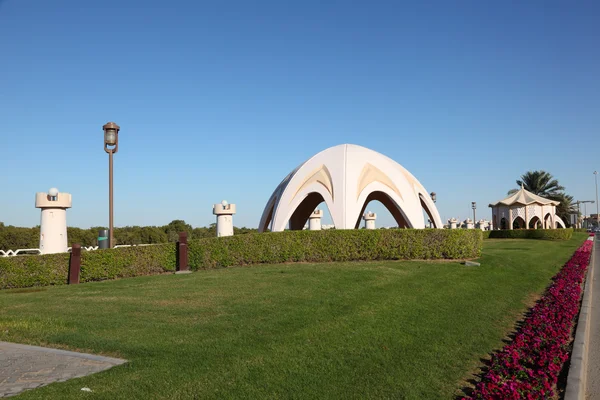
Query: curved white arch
(346, 177)
(559, 221)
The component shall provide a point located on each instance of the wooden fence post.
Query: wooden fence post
(74, 264)
(182, 254)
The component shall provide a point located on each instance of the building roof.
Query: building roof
(524, 197)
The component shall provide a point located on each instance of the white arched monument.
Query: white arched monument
(53, 222)
(347, 177)
(526, 210)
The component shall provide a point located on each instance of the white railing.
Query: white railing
(9, 253)
(12, 253)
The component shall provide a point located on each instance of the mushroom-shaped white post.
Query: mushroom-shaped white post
(53, 222)
(481, 224)
(314, 220)
(469, 223)
(369, 218)
(224, 212)
(452, 223)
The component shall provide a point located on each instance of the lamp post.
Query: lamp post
(111, 146)
(433, 198)
(473, 206)
(597, 213)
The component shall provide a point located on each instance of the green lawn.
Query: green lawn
(411, 330)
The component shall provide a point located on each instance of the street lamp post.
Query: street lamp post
(597, 213)
(433, 198)
(473, 206)
(111, 146)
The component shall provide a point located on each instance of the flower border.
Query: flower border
(529, 366)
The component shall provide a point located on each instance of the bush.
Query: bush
(126, 262)
(334, 245)
(272, 248)
(26, 271)
(546, 234)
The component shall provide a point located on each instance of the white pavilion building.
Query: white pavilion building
(525, 210)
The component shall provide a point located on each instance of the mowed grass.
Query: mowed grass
(405, 330)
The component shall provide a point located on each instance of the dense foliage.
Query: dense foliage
(547, 234)
(13, 238)
(279, 247)
(529, 366)
(336, 245)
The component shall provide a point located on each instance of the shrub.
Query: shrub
(335, 245)
(126, 262)
(545, 234)
(272, 247)
(26, 271)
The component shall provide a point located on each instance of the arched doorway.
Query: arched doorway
(519, 223)
(304, 209)
(389, 204)
(503, 224)
(548, 222)
(535, 223)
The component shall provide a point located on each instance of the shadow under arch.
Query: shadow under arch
(304, 209)
(548, 221)
(389, 204)
(519, 223)
(535, 222)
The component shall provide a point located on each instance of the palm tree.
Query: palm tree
(544, 184)
(541, 183)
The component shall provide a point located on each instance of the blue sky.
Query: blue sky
(220, 100)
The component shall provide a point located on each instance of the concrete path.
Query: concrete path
(593, 360)
(25, 367)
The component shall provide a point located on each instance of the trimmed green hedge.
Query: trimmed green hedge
(26, 271)
(126, 262)
(545, 234)
(53, 269)
(335, 245)
(271, 248)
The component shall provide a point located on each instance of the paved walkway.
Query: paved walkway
(25, 367)
(593, 363)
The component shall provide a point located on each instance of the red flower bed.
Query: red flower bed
(528, 368)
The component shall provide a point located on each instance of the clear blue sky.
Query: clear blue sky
(220, 100)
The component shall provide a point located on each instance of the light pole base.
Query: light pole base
(183, 272)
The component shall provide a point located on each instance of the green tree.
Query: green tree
(541, 183)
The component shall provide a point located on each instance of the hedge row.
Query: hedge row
(53, 269)
(335, 245)
(545, 234)
(272, 248)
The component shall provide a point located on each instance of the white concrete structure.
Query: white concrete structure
(370, 218)
(314, 220)
(53, 222)
(452, 223)
(224, 212)
(525, 210)
(482, 224)
(469, 223)
(347, 177)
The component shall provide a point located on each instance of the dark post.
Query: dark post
(74, 264)
(182, 253)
